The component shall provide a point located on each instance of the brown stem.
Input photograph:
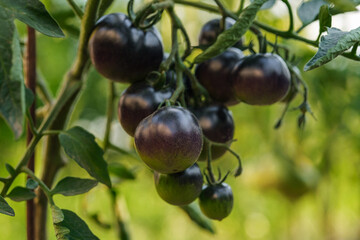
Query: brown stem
(30, 82)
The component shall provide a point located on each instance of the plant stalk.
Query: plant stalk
(30, 82)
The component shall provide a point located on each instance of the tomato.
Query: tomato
(123, 53)
(261, 79)
(211, 30)
(216, 201)
(180, 188)
(215, 75)
(138, 102)
(169, 140)
(217, 125)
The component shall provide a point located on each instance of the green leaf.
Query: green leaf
(344, 5)
(19, 194)
(5, 208)
(34, 14)
(195, 214)
(57, 214)
(80, 145)
(309, 11)
(332, 45)
(324, 18)
(29, 98)
(10, 169)
(72, 228)
(230, 36)
(267, 5)
(71, 186)
(31, 184)
(12, 93)
(121, 171)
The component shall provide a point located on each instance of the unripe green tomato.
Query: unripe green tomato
(179, 188)
(216, 201)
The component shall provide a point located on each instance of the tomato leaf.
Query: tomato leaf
(12, 93)
(34, 14)
(72, 227)
(324, 18)
(121, 171)
(267, 5)
(309, 11)
(57, 214)
(195, 214)
(332, 45)
(230, 36)
(19, 194)
(5, 208)
(80, 146)
(71, 186)
(10, 169)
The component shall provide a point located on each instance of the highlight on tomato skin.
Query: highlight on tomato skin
(169, 140)
(261, 79)
(123, 53)
(216, 201)
(179, 188)
(137, 102)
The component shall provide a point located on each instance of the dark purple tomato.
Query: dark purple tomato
(217, 125)
(261, 79)
(180, 188)
(216, 201)
(169, 140)
(137, 102)
(211, 30)
(215, 75)
(123, 53)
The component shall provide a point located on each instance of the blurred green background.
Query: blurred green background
(296, 184)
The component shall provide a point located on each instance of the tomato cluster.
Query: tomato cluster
(171, 139)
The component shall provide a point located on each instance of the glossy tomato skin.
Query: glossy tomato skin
(216, 201)
(261, 79)
(180, 188)
(211, 30)
(216, 76)
(169, 140)
(217, 124)
(137, 102)
(123, 53)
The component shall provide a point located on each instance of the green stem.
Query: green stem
(31, 123)
(42, 185)
(87, 24)
(78, 12)
(209, 159)
(241, 7)
(109, 113)
(291, 17)
(52, 132)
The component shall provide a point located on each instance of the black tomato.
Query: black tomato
(217, 125)
(169, 140)
(123, 53)
(179, 188)
(211, 30)
(216, 201)
(137, 102)
(261, 79)
(215, 75)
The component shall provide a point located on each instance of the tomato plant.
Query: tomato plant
(174, 107)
